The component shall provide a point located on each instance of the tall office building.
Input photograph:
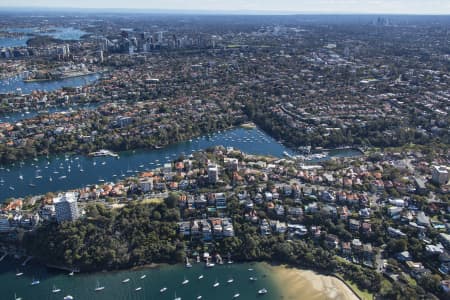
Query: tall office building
(66, 207)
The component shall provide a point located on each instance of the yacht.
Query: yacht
(138, 288)
(68, 297)
(216, 284)
(262, 291)
(126, 280)
(18, 274)
(200, 277)
(231, 280)
(35, 282)
(188, 264)
(99, 288)
(55, 289)
(236, 295)
(143, 276)
(185, 281)
(163, 290)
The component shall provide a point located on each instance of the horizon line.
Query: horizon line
(122, 10)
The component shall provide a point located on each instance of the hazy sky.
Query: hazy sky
(326, 6)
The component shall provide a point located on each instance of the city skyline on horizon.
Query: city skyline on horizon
(437, 7)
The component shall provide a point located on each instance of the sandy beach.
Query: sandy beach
(297, 284)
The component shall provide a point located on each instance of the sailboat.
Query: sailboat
(176, 298)
(185, 281)
(231, 280)
(17, 298)
(216, 284)
(99, 288)
(143, 276)
(163, 290)
(262, 291)
(138, 288)
(68, 297)
(200, 277)
(21, 177)
(35, 282)
(55, 289)
(126, 280)
(236, 295)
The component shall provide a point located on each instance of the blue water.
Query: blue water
(62, 33)
(81, 286)
(252, 141)
(11, 85)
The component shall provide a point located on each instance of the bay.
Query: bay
(62, 172)
(62, 33)
(81, 286)
(10, 85)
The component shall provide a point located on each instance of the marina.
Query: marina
(17, 85)
(65, 172)
(160, 283)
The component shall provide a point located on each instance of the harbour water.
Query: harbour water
(81, 286)
(59, 173)
(62, 33)
(11, 85)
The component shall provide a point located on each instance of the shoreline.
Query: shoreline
(295, 283)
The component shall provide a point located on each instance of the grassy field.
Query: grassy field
(363, 294)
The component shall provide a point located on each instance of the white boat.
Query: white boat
(210, 265)
(17, 298)
(250, 269)
(176, 298)
(99, 288)
(253, 278)
(200, 277)
(143, 276)
(55, 289)
(21, 177)
(62, 177)
(216, 284)
(71, 273)
(138, 288)
(262, 291)
(236, 295)
(163, 290)
(126, 280)
(185, 281)
(231, 280)
(68, 297)
(11, 188)
(199, 297)
(35, 282)
(19, 274)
